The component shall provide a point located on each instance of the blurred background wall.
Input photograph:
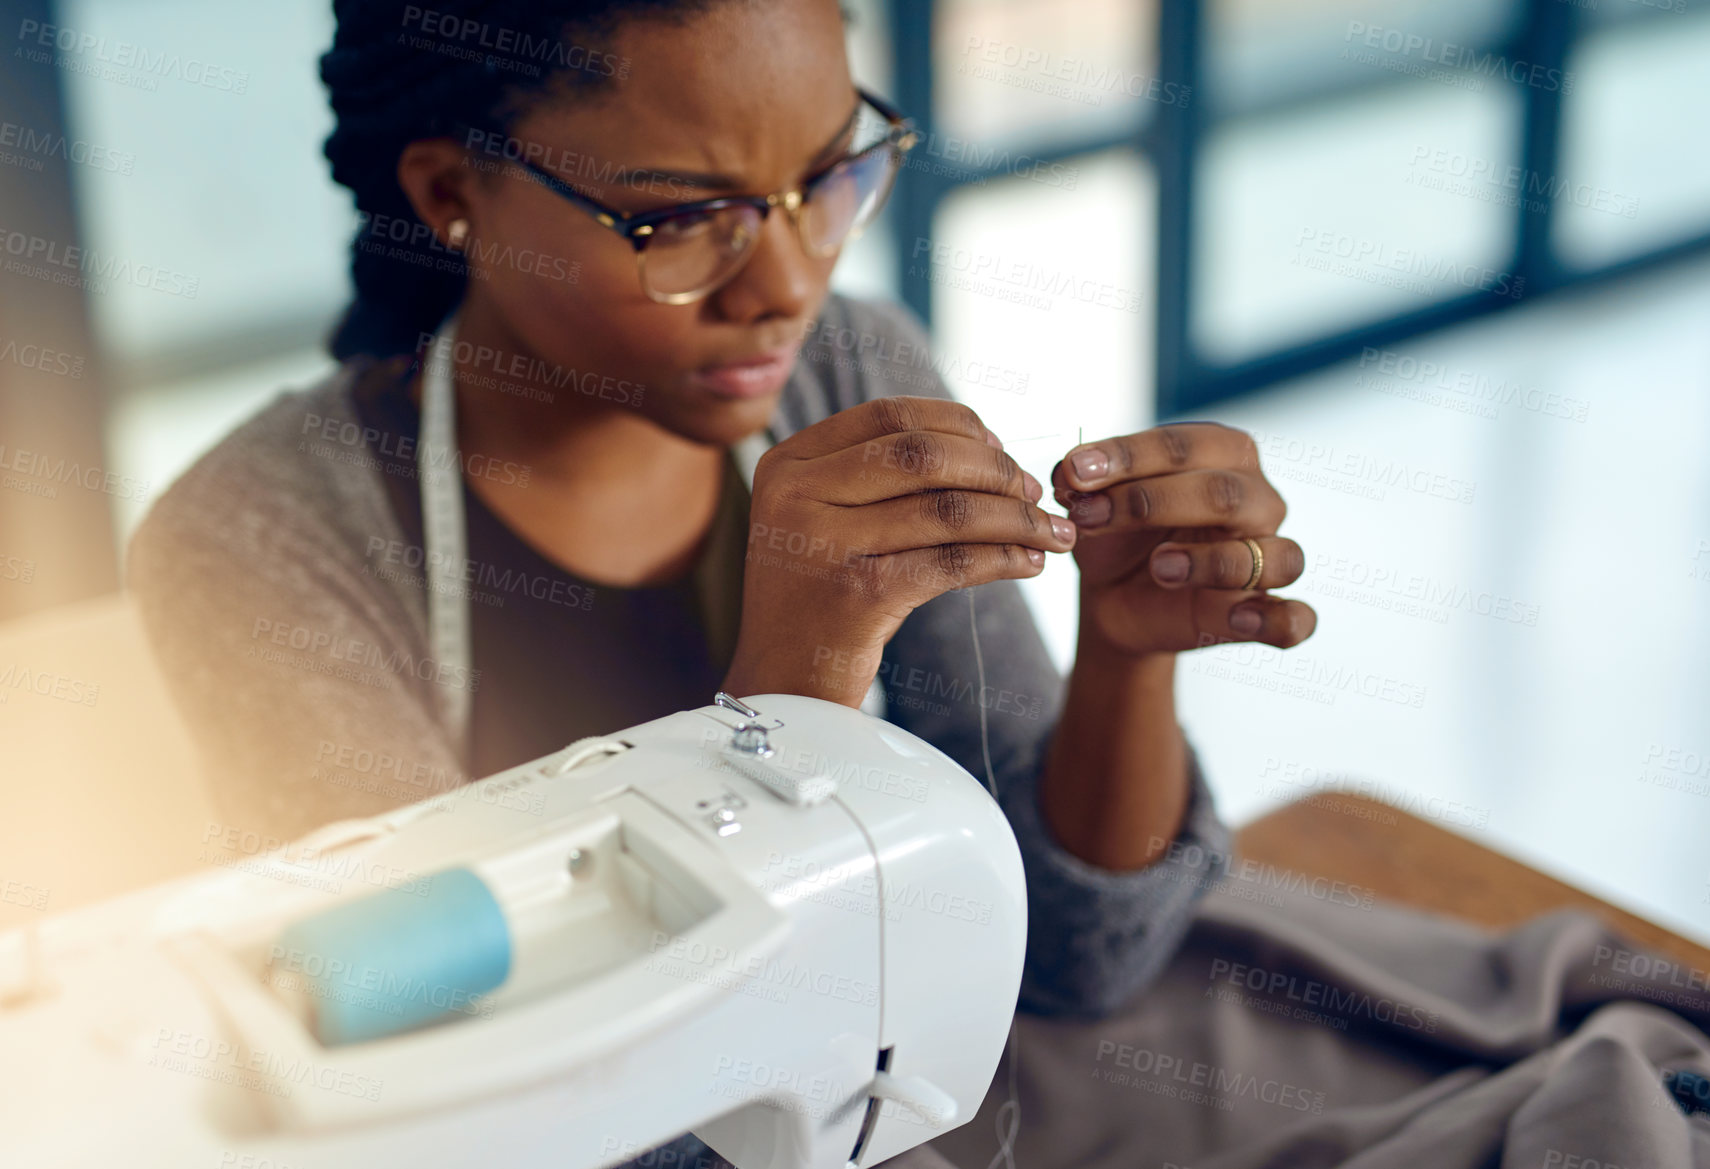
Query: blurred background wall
(1447, 261)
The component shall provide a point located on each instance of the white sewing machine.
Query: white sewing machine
(796, 933)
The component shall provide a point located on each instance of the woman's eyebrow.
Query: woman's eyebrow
(718, 182)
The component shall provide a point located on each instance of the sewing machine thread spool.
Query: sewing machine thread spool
(396, 960)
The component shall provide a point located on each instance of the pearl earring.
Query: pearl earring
(457, 234)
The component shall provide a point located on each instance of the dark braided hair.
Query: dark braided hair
(397, 73)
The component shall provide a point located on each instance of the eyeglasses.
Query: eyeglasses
(690, 250)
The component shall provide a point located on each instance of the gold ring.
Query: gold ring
(1258, 562)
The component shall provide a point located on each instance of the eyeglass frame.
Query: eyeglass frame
(638, 227)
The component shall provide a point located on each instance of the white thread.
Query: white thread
(980, 666)
(1012, 1106)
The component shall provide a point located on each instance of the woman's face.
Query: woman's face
(748, 98)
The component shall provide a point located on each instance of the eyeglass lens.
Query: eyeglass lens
(690, 253)
(693, 253)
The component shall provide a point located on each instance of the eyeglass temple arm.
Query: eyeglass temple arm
(608, 216)
(889, 112)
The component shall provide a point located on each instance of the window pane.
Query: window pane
(1043, 315)
(1260, 51)
(1053, 284)
(1021, 69)
(155, 433)
(1602, 13)
(869, 41)
(867, 267)
(1634, 172)
(1342, 214)
(226, 203)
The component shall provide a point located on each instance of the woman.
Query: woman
(615, 567)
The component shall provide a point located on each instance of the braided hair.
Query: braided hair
(397, 73)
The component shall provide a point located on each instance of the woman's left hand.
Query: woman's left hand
(1161, 517)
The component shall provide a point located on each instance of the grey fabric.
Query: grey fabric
(268, 534)
(1303, 1029)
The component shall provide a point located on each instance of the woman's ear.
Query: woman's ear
(438, 186)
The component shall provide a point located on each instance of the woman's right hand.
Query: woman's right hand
(859, 519)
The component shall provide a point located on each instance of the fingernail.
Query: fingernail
(1036, 556)
(1090, 464)
(1246, 622)
(1090, 511)
(1031, 487)
(1171, 567)
(993, 440)
(1062, 529)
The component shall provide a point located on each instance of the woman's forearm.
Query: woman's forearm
(1115, 787)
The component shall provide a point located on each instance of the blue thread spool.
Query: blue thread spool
(396, 961)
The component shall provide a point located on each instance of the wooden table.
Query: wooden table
(1412, 861)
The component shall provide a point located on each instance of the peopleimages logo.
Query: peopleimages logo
(1074, 78)
(521, 372)
(993, 273)
(884, 355)
(1378, 261)
(1369, 469)
(39, 144)
(338, 648)
(49, 472)
(275, 1073)
(39, 41)
(47, 684)
(1311, 993)
(1463, 58)
(383, 554)
(1509, 184)
(770, 976)
(439, 459)
(1478, 389)
(465, 37)
(41, 358)
(1222, 1085)
(409, 240)
(40, 258)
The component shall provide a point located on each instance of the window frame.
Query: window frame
(1172, 140)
